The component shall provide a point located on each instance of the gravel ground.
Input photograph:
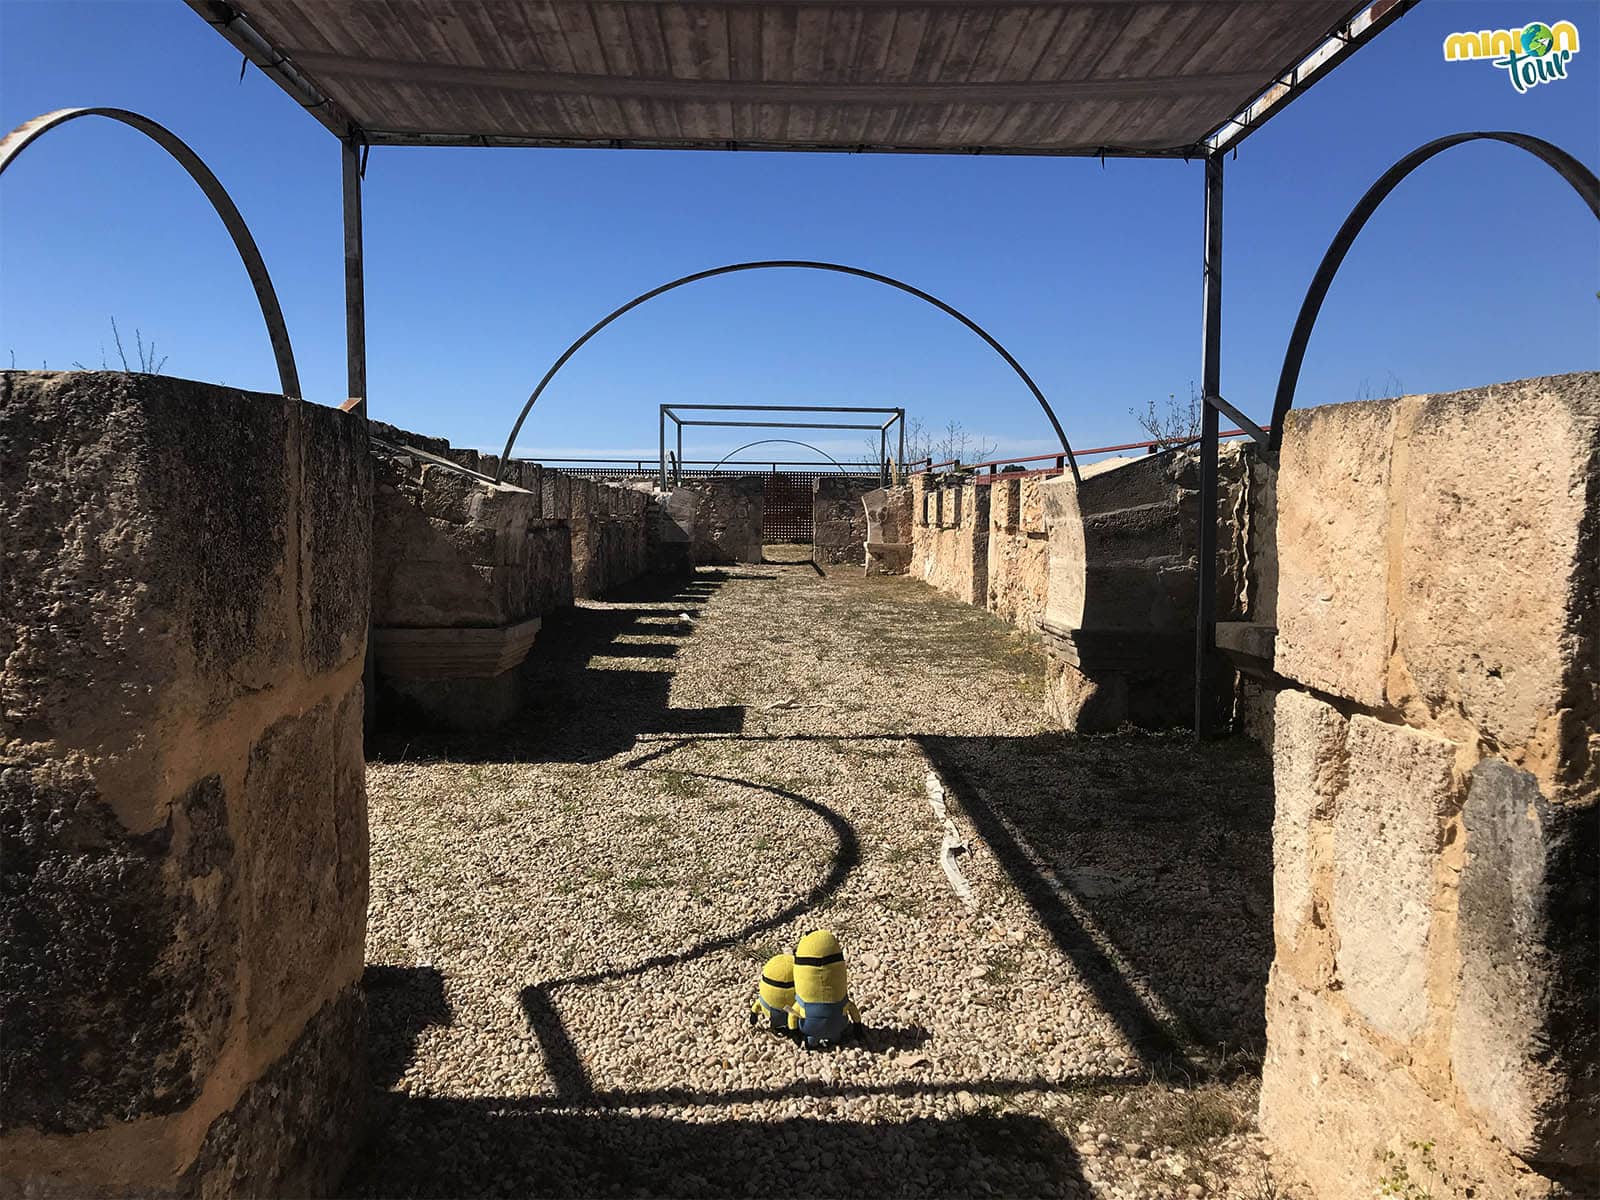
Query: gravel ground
(568, 918)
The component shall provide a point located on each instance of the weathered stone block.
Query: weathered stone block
(1309, 767)
(727, 527)
(1498, 566)
(1388, 828)
(1333, 554)
(182, 809)
(1525, 1045)
(1332, 1103)
(305, 887)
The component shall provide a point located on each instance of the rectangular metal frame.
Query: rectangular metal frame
(669, 410)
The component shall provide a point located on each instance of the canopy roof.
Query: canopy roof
(1102, 77)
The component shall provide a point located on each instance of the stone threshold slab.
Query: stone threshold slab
(452, 653)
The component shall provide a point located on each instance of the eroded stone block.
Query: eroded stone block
(1309, 769)
(306, 884)
(1388, 826)
(1333, 554)
(1525, 1045)
(1499, 559)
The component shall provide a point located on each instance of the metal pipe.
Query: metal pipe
(779, 441)
(24, 135)
(900, 458)
(1211, 385)
(1582, 179)
(782, 264)
(661, 475)
(678, 467)
(355, 303)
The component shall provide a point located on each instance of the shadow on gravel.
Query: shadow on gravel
(401, 1003)
(561, 1056)
(1162, 849)
(575, 710)
(495, 1147)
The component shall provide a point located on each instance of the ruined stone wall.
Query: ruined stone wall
(183, 823)
(888, 512)
(727, 527)
(1435, 758)
(1123, 562)
(950, 536)
(1019, 551)
(838, 521)
(670, 518)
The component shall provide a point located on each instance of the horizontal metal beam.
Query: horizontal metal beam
(405, 137)
(781, 424)
(669, 408)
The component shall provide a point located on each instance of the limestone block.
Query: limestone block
(1333, 557)
(452, 653)
(1332, 1103)
(557, 495)
(305, 885)
(1388, 829)
(160, 563)
(1309, 769)
(1525, 1045)
(111, 938)
(336, 536)
(1501, 545)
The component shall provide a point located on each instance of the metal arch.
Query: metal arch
(1582, 179)
(804, 265)
(24, 135)
(784, 441)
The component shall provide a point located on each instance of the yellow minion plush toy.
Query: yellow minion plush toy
(775, 994)
(823, 1014)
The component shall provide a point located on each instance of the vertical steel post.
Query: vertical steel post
(883, 457)
(661, 473)
(1205, 666)
(678, 470)
(900, 459)
(355, 303)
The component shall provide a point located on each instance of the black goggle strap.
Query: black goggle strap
(779, 984)
(829, 960)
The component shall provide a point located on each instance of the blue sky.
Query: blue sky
(483, 264)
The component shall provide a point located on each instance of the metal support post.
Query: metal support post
(678, 468)
(355, 304)
(1205, 665)
(900, 458)
(883, 457)
(661, 473)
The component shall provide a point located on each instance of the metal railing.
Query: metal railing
(997, 468)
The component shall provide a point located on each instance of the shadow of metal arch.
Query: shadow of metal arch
(802, 265)
(779, 441)
(24, 135)
(1582, 179)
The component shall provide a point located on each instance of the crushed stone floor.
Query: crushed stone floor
(568, 917)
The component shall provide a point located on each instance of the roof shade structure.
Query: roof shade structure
(1100, 78)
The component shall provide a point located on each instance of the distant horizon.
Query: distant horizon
(483, 264)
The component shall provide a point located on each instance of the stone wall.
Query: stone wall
(1123, 560)
(463, 570)
(838, 521)
(182, 805)
(727, 527)
(950, 535)
(1437, 764)
(1019, 551)
(670, 518)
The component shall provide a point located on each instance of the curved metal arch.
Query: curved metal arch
(24, 135)
(803, 265)
(783, 441)
(1582, 179)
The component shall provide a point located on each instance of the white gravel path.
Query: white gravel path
(568, 918)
